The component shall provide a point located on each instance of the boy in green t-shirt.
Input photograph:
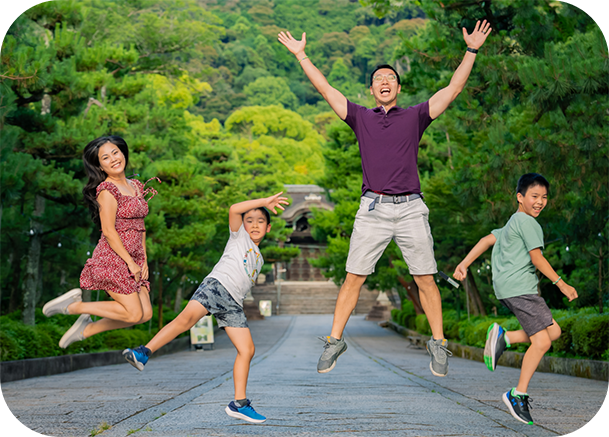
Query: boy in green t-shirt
(516, 254)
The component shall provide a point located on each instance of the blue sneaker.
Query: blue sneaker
(137, 357)
(519, 406)
(246, 412)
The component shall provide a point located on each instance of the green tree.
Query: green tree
(62, 86)
(266, 91)
(536, 101)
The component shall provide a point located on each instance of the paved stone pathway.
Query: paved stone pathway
(381, 386)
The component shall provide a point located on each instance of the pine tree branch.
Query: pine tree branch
(55, 230)
(538, 116)
(36, 97)
(92, 101)
(2, 76)
(62, 200)
(465, 3)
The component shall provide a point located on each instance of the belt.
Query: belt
(389, 198)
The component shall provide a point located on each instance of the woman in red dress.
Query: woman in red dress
(119, 264)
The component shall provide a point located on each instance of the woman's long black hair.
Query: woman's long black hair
(90, 158)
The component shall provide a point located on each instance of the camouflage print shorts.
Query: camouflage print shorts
(218, 301)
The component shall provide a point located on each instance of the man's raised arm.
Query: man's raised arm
(335, 98)
(440, 100)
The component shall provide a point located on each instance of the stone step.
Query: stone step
(312, 297)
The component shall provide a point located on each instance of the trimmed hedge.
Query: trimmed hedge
(585, 333)
(19, 341)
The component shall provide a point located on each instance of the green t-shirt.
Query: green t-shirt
(513, 270)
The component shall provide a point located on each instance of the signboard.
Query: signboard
(202, 333)
(266, 308)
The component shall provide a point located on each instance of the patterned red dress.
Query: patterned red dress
(105, 270)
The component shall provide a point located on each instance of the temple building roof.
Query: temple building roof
(304, 198)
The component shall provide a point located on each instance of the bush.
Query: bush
(585, 333)
(20, 337)
(403, 318)
(564, 343)
(474, 330)
(395, 313)
(408, 307)
(591, 335)
(450, 324)
(19, 341)
(9, 347)
(422, 325)
(123, 338)
(406, 316)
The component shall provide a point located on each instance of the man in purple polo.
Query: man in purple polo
(391, 206)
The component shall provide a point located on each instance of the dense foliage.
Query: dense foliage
(584, 331)
(205, 97)
(211, 103)
(536, 101)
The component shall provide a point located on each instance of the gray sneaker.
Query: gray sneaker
(76, 332)
(439, 356)
(59, 305)
(333, 349)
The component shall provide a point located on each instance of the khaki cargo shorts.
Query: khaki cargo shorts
(406, 223)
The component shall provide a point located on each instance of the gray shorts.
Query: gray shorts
(406, 223)
(218, 301)
(531, 311)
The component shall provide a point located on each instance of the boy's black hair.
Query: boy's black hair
(265, 212)
(529, 180)
(378, 67)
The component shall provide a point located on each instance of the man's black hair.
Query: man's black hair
(529, 180)
(264, 211)
(378, 67)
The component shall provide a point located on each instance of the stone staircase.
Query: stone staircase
(309, 297)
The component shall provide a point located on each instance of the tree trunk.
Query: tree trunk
(9, 263)
(177, 306)
(15, 266)
(471, 303)
(413, 291)
(600, 280)
(160, 297)
(40, 276)
(475, 293)
(413, 294)
(32, 272)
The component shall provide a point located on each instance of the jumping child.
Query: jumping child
(222, 292)
(516, 254)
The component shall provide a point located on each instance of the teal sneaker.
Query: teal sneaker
(246, 412)
(495, 346)
(439, 356)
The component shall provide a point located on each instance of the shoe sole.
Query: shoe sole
(334, 363)
(128, 355)
(238, 415)
(508, 404)
(431, 367)
(64, 342)
(490, 346)
(437, 374)
(68, 295)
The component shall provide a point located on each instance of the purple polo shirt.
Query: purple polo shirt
(389, 145)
